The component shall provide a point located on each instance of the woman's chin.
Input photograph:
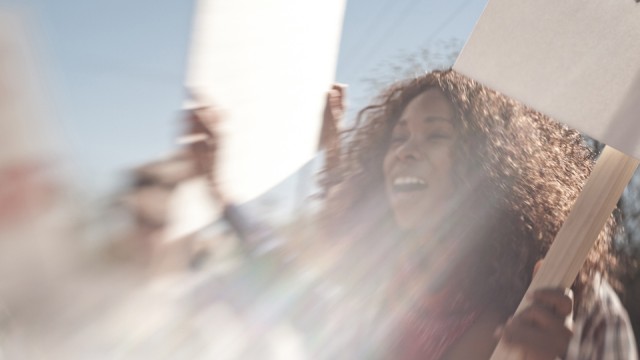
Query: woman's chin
(418, 222)
(406, 221)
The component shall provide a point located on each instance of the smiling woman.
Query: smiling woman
(464, 190)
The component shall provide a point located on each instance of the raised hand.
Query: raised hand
(541, 330)
(333, 113)
(203, 140)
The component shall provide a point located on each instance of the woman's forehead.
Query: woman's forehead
(429, 101)
(430, 106)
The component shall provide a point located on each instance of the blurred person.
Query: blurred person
(60, 297)
(158, 239)
(53, 284)
(441, 201)
(50, 284)
(172, 206)
(171, 254)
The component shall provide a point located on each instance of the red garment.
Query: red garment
(428, 337)
(434, 321)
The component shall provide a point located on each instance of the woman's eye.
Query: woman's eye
(438, 136)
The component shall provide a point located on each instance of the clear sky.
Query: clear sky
(117, 66)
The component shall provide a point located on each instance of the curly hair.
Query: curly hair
(518, 173)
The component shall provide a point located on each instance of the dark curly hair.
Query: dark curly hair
(518, 173)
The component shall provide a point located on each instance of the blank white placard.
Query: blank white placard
(267, 64)
(574, 60)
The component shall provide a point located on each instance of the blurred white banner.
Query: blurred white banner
(267, 65)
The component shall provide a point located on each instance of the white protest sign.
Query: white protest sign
(267, 65)
(576, 61)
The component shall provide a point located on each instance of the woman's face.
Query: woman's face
(419, 162)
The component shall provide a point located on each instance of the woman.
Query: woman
(476, 186)
(445, 197)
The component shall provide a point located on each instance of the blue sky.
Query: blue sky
(116, 67)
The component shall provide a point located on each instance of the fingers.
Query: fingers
(537, 342)
(340, 89)
(336, 100)
(538, 332)
(540, 317)
(540, 329)
(559, 301)
(536, 267)
(208, 117)
(333, 113)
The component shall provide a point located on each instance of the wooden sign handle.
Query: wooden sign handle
(567, 254)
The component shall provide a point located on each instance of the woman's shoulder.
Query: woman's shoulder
(602, 328)
(600, 300)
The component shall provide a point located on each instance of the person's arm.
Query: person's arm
(203, 139)
(329, 141)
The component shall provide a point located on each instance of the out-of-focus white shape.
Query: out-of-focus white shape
(267, 65)
(38, 217)
(286, 344)
(23, 134)
(191, 208)
(26, 143)
(577, 61)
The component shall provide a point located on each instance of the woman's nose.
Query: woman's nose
(408, 151)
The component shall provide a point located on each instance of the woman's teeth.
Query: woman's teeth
(409, 183)
(408, 180)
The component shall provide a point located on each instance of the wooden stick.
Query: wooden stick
(592, 208)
